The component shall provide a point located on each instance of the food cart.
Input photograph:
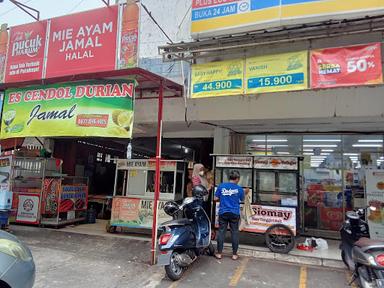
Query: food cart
(133, 198)
(274, 198)
(64, 201)
(42, 195)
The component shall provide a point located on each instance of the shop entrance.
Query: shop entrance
(332, 174)
(96, 159)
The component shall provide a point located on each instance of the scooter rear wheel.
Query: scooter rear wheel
(174, 271)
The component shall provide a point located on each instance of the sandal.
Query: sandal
(218, 256)
(235, 257)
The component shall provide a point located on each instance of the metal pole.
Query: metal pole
(157, 174)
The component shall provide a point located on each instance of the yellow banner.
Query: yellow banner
(218, 79)
(226, 17)
(281, 72)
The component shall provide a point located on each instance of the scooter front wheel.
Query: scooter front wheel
(174, 270)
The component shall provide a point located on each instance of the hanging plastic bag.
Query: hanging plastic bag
(242, 222)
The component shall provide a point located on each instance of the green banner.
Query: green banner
(80, 109)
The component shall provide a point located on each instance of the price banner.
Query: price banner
(218, 79)
(272, 73)
(346, 66)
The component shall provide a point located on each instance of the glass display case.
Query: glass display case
(276, 188)
(134, 191)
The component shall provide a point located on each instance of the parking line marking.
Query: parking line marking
(185, 275)
(174, 284)
(238, 273)
(303, 277)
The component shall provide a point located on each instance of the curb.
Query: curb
(249, 251)
(258, 253)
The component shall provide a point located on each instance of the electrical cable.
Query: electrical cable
(157, 24)
(14, 8)
(77, 5)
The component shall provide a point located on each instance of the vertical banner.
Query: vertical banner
(218, 79)
(25, 56)
(129, 36)
(346, 66)
(3, 49)
(375, 198)
(281, 72)
(50, 199)
(83, 42)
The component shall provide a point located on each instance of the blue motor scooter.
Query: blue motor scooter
(183, 240)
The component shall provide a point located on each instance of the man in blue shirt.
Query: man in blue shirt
(229, 195)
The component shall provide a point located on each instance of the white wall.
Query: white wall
(172, 15)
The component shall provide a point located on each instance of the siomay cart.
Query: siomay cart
(274, 183)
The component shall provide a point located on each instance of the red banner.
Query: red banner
(83, 42)
(346, 66)
(25, 56)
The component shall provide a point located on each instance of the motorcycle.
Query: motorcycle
(363, 256)
(183, 240)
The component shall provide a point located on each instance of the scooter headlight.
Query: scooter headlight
(372, 260)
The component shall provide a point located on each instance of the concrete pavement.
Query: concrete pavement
(76, 260)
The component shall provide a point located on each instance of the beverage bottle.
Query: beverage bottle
(129, 35)
(129, 151)
(3, 50)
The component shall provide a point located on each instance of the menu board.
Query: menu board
(234, 162)
(279, 163)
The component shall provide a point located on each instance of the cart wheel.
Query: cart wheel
(110, 228)
(211, 250)
(280, 238)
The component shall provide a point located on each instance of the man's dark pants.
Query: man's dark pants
(233, 221)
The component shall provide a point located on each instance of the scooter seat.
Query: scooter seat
(177, 222)
(367, 244)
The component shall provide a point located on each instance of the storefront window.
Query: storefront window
(284, 145)
(256, 145)
(360, 152)
(332, 173)
(323, 189)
